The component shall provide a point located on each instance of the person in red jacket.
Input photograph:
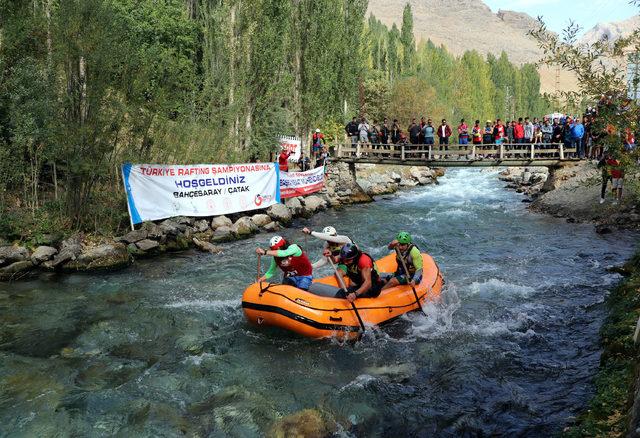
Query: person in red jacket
(518, 131)
(444, 132)
(283, 160)
(617, 178)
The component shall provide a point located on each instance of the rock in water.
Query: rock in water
(308, 423)
(103, 257)
(206, 246)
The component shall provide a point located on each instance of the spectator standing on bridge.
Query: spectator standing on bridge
(566, 135)
(557, 132)
(528, 130)
(487, 134)
(547, 131)
(444, 132)
(577, 132)
(395, 132)
(518, 131)
(463, 134)
(429, 132)
(509, 129)
(352, 131)
(499, 132)
(414, 132)
(385, 131)
(363, 131)
(476, 133)
(374, 133)
(423, 123)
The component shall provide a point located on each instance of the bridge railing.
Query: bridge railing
(422, 152)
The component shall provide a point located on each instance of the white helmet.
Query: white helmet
(317, 129)
(330, 231)
(276, 242)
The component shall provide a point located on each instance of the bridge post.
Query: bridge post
(562, 151)
(358, 152)
(430, 152)
(402, 151)
(339, 150)
(473, 151)
(532, 151)
(501, 151)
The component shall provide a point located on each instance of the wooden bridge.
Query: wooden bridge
(457, 155)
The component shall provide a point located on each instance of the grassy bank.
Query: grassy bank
(609, 411)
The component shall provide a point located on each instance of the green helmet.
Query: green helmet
(404, 238)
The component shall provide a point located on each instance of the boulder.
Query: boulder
(70, 249)
(309, 423)
(181, 220)
(408, 183)
(280, 213)
(102, 257)
(134, 236)
(294, 205)
(42, 254)
(11, 254)
(153, 231)
(272, 226)
(15, 269)
(201, 226)
(314, 203)
(244, 227)
(147, 245)
(222, 234)
(172, 228)
(220, 221)
(261, 220)
(423, 181)
(206, 246)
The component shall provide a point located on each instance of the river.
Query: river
(162, 348)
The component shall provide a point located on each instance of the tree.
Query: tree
(407, 38)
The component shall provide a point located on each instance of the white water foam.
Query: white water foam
(500, 287)
(205, 304)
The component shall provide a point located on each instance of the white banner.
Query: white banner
(301, 183)
(292, 144)
(156, 191)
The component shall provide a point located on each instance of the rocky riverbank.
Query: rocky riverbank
(82, 253)
(573, 192)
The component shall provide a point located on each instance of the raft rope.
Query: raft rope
(266, 289)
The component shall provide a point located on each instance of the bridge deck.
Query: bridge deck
(456, 155)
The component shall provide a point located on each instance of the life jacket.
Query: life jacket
(317, 138)
(355, 275)
(295, 265)
(499, 131)
(336, 247)
(408, 261)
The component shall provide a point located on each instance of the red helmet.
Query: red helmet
(277, 242)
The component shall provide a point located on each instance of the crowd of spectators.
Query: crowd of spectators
(572, 131)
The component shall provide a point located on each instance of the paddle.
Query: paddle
(259, 268)
(406, 272)
(344, 287)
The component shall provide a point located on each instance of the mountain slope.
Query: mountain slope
(470, 24)
(613, 30)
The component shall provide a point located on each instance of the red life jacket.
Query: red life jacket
(499, 132)
(294, 266)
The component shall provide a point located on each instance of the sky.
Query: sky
(557, 13)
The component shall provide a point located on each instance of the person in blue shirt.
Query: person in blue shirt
(577, 132)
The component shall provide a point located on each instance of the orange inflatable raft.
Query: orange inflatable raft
(317, 314)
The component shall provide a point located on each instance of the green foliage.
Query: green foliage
(608, 410)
